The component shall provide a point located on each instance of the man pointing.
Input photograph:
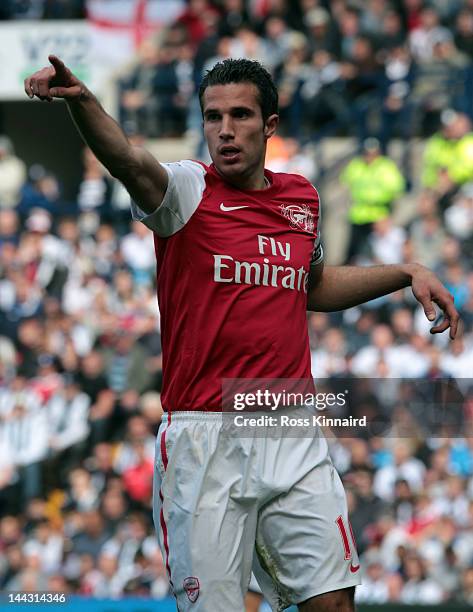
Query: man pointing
(230, 241)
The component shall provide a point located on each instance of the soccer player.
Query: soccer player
(239, 261)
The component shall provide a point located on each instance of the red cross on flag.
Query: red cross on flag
(120, 26)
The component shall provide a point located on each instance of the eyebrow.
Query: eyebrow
(233, 109)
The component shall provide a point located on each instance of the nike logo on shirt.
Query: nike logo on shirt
(230, 208)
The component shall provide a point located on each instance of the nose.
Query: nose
(226, 128)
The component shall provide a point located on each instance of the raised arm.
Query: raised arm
(338, 287)
(143, 176)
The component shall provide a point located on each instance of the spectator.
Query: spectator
(466, 593)
(247, 43)
(91, 376)
(100, 466)
(29, 579)
(124, 364)
(28, 433)
(397, 112)
(448, 161)
(138, 431)
(114, 508)
(321, 33)
(138, 253)
(171, 91)
(381, 356)
(456, 358)
(456, 282)
(234, 15)
(91, 535)
(404, 467)
(57, 583)
(392, 33)
(94, 189)
(373, 16)
(374, 182)
(464, 31)
(322, 92)
(348, 21)
(386, 242)
(362, 73)
(138, 479)
(368, 507)
(68, 411)
(82, 494)
(13, 564)
(41, 191)
(104, 581)
(419, 588)
(46, 543)
(152, 409)
(328, 360)
(12, 174)
(137, 107)
(426, 232)
(459, 216)
(9, 227)
(277, 41)
(423, 38)
(194, 19)
(290, 78)
(374, 589)
(286, 155)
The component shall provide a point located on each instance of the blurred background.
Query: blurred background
(376, 102)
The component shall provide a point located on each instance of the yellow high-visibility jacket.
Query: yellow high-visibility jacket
(456, 156)
(373, 187)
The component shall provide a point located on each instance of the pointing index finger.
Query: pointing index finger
(58, 64)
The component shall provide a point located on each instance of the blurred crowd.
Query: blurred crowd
(80, 355)
(379, 67)
(43, 9)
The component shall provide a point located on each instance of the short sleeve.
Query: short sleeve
(186, 185)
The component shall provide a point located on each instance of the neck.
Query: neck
(250, 183)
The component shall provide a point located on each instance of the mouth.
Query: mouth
(229, 152)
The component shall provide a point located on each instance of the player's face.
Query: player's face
(236, 133)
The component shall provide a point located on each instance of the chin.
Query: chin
(231, 170)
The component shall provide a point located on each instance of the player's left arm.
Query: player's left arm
(334, 288)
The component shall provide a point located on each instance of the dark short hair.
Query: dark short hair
(243, 71)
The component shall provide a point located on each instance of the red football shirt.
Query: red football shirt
(232, 273)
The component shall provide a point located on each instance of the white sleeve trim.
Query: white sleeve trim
(186, 184)
(318, 252)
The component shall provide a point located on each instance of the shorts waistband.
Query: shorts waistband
(193, 415)
(217, 417)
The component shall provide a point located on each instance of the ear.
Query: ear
(270, 126)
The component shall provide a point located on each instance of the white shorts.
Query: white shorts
(222, 502)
